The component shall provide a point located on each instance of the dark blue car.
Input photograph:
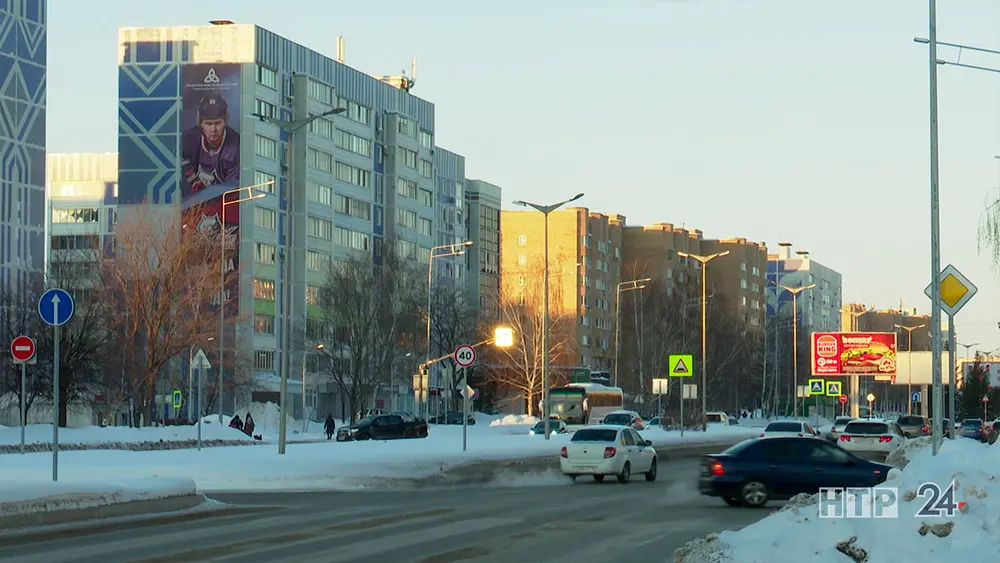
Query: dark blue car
(973, 428)
(762, 469)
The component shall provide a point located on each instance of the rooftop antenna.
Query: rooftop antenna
(341, 50)
(403, 82)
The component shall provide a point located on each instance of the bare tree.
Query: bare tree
(453, 323)
(520, 366)
(161, 281)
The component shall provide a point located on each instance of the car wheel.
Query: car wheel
(572, 478)
(754, 494)
(626, 473)
(732, 501)
(651, 474)
(599, 478)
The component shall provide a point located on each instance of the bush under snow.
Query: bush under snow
(515, 420)
(798, 534)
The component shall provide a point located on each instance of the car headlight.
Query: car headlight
(532, 432)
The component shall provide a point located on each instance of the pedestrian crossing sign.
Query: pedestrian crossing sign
(681, 365)
(816, 387)
(833, 389)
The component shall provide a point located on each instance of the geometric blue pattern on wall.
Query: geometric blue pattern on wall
(22, 139)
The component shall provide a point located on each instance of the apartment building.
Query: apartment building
(740, 277)
(483, 259)
(819, 308)
(82, 211)
(585, 267)
(889, 320)
(451, 220)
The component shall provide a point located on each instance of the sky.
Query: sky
(802, 121)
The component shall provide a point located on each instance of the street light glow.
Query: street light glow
(503, 336)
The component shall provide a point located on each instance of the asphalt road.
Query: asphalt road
(525, 519)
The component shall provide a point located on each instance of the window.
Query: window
(263, 289)
(312, 295)
(262, 178)
(406, 188)
(408, 158)
(267, 109)
(352, 175)
(319, 228)
(522, 240)
(318, 193)
(263, 324)
(406, 249)
(322, 128)
(267, 77)
(78, 215)
(426, 226)
(263, 360)
(320, 92)
(266, 147)
(426, 139)
(743, 267)
(351, 142)
(426, 197)
(352, 239)
(352, 206)
(316, 261)
(406, 218)
(265, 218)
(265, 253)
(317, 329)
(743, 284)
(355, 111)
(424, 256)
(76, 242)
(522, 260)
(319, 160)
(426, 169)
(407, 127)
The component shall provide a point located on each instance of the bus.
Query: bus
(584, 403)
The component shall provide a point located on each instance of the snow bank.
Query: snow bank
(515, 420)
(19, 497)
(798, 534)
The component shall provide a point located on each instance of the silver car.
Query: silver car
(838, 428)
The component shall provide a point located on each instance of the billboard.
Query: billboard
(990, 369)
(210, 157)
(854, 353)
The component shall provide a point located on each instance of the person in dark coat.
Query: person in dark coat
(236, 423)
(248, 425)
(330, 425)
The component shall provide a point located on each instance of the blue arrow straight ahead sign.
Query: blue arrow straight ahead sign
(56, 307)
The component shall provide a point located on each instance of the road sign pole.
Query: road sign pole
(817, 410)
(951, 372)
(201, 370)
(682, 408)
(24, 402)
(55, 401)
(465, 411)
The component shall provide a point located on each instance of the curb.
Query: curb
(15, 522)
(161, 445)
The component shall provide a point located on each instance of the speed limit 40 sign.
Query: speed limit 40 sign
(465, 355)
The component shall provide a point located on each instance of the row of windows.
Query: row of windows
(410, 220)
(319, 160)
(77, 215)
(322, 127)
(409, 250)
(319, 228)
(353, 175)
(265, 253)
(317, 261)
(353, 239)
(321, 92)
(353, 143)
(264, 181)
(408, 158)
(266, 147)
(76, 242)
(426, 169)
(318, 193)
(265, 218)
(408, 188)
(352, 206)
(267, 109)
(407, 127)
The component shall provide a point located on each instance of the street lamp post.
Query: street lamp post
(909, 368)
(623, 286)
(300, 119)
(795, 291)
(456, 249)
(704, 324)
(546, 210)
(855, 379)
(967, 348)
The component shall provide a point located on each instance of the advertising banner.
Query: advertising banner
(210, 157)
(849, 353)
(990, 369)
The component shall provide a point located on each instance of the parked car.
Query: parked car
(608, 450)
(758, 470)
(454, 417)
(871, 435)
(718, 418)
(383, 427)
(625, 418)
(838, 428)
(974, 428)
(555, 427)
(914, 426)
(789, 428)
(653, 422)
(994, 431)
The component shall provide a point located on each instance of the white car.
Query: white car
(789, 428)
(717, 418)
(624, 418)
(608, 450)
(871, 435)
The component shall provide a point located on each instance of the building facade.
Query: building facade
(482, 280)
(819, 308)
(451, 222)
(359, 178)
(23, 40)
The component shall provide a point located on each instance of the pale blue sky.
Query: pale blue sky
(797, 120)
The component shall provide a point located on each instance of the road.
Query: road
(534, 519)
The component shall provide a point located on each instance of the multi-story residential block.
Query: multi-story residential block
(483, 259)
(209, 108)
(23, 41)
(889, 320)
(584, 271)
(819, 308)
(83, 210)
(451, 222)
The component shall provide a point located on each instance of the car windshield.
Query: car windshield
(912, 420)
(867, 428)
(713, 417)
(553, 425)
(618, 418)
(841, 421)
(784, 427)
(595, 435)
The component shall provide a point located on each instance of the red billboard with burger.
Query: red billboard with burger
(854, 353)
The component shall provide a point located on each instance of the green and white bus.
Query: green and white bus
(584, 403)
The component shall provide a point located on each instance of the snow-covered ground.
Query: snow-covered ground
(22, 497)
(798, 534)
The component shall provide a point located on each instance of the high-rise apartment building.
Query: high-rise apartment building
(23, 40)
(483, 259)
(584, 270)
(83, 209)
(819, 308)
(358, 178)
(451, 223)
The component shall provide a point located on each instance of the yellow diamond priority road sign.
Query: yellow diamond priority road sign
(956, 290)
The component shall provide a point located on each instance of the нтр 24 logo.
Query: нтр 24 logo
(883, 502)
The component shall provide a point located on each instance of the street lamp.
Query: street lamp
(909, 368)
(624, 286)
(795, 291)
(300, 85)
(546, 210)
(456, 249)
(967, 348)
(926, 41)
(704, 324)
(223, 239)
